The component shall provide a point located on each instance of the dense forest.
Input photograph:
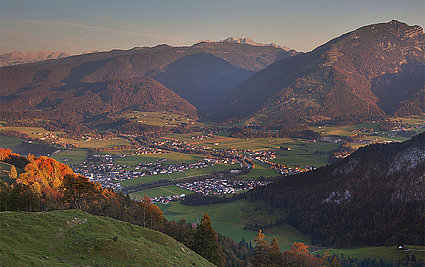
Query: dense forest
(373, 197)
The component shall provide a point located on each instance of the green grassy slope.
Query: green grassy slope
(74, 238)
(230, 218)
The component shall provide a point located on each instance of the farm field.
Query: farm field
(302, 153)
(156, 118)
(170, 190)
(172, 158)
(71, 156)
(388, 254)
(412, 120)
(260, 170)
(305, 153)
(176, 175)
(38, 132)
(230, 218)
(9, 142)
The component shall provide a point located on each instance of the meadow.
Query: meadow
(170, 190)
(157, 118)
(71, 156)
(172, 158)
(76, 238)
(38, 132)
(9, 142)
(388, 254)
(230, 218)
(176, 175)
(302, 153)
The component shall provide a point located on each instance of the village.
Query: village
(103, 169)
(212, 187)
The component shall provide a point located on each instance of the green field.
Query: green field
(157, 118)
(260, 170)
(302, 153)
(230, 218)
(344, 130)
(75, 238)
(162, 191)
(9, 142)
(176, 175)
(172, 158)
(388, 254)
(38, 132)
(71, 156)
(412, 120)
(305, 153)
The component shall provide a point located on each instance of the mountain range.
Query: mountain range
(201, 74)
(370, 73)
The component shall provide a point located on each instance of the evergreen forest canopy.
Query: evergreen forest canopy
(373, 197)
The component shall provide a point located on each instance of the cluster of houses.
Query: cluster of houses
(221, 186)
(262, 154)
(167, 199)
(143, 169)
(142, 150)
(103, 169)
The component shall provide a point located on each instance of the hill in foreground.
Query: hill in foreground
(367, 74)
(75, 238)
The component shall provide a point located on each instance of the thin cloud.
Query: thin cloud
(101, 28)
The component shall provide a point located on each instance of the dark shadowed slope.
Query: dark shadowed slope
(202, 79)
(229, 63)
(85, 101)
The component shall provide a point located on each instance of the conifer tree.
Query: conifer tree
(275, 255)
(206, 242)
(260, 250)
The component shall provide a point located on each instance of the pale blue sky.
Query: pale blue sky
(75, 26)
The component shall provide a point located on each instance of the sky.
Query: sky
(76, 26)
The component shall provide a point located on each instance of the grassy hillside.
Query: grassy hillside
(72, 237)
(230, 218)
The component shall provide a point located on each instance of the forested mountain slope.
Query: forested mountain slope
(373, 197)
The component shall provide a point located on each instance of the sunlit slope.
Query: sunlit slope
(72, 237)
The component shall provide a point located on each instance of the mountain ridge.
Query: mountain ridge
(16, 57)
(231, 63)
(332, 82)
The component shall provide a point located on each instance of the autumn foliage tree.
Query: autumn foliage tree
(78, 190)
(270, 254)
